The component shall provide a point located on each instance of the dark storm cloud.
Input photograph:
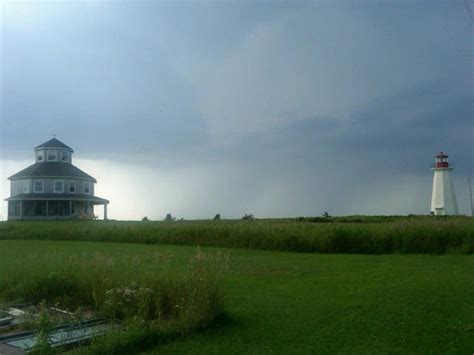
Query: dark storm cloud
(408, 127)
(415, 124)
(275, 108)
(108, 72)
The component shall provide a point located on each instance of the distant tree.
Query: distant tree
(145, 219)
(169, 217)
(248, 217)
(326, 214)
(217, 217)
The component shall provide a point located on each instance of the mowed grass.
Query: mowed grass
(278, 302)
(353, 234)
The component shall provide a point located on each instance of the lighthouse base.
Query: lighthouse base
(443, 198)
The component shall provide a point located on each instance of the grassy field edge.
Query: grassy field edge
(355, 235)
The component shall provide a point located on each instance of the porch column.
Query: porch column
(70, 207)
(47, 208)
(21, 209)
(105, 211)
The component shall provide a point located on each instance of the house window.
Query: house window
(65, 156)
(58, 186)
(87, 188)
(72, 186)
(40, 155)
(26, 187)
(38, 186)
(52, 155)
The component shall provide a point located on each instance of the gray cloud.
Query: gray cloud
(274, 108)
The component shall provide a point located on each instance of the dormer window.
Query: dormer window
(40, 155)
(65, 156)
(52, 155)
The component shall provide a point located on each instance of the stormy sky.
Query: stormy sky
(276, 108)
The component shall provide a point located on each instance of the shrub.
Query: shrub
(248, 217)
(169, 218)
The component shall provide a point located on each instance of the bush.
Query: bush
(155, 302)
(248, 217)
(169, 218)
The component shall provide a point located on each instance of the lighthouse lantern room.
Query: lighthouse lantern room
(443, 198)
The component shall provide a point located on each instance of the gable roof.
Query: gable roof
(53, 143)
(52, 169)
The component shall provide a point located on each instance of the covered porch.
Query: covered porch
(54, 208)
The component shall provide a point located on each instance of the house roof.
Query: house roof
(54, 143)
(56, 196)
(52, 169)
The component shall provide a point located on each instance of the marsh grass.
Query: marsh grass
(149, 306)
(352, 234)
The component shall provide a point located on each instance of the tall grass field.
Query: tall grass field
(356, 234)
(307, 285)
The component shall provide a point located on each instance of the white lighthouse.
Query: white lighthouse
(443, 199)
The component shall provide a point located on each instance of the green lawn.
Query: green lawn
(280, 302)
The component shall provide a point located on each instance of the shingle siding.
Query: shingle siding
(48, 185)
(16, 186)
(80, 187)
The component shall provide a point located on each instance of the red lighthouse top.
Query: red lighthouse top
(441, 162)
